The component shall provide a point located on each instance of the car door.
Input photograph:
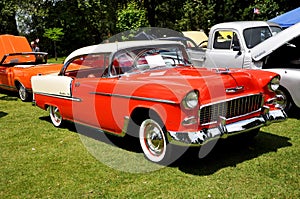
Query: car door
(92, 87)
(226, 50)
(6, 77)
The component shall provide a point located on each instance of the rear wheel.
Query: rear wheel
(23, 93)
(55, 116)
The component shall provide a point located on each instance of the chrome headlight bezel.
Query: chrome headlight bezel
(274, 83)
(191, 100)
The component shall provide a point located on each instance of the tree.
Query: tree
(54, 34)
(197, 15)
(131, 17)
(7, 18)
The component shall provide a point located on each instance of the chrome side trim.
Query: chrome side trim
(223, 130)
(60, 96)
(125, 126)
(135, 97)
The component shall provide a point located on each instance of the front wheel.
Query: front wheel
(286, 102)
(55, 116)
(155, 145)
(153, 140)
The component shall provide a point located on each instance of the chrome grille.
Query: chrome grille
(230, 109)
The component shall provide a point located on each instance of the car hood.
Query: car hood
(214, 84)
(271, 44)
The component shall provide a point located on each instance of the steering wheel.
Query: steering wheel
(170, 58)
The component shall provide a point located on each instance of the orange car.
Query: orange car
(18, 63)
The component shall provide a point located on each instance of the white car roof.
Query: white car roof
(240, 25)
(115, 46)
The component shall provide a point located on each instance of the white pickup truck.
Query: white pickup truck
(255, 45)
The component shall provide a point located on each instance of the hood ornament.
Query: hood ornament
(222, 70)
(235, 90)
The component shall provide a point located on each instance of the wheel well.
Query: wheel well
(138, 116)
(286, 92)
(17, 84)
(46, 106)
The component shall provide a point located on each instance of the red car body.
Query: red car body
(18, 64)
(148, 89)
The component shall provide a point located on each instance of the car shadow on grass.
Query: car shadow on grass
(126, 143)
(226, 153)
(294, 113)
(230, 152)
(3, 114)
(8, 95)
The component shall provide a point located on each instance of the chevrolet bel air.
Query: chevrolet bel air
(18, 63)
(149, 90)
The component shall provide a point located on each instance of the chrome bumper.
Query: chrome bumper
(224, 130)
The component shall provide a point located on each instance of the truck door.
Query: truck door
(226, 50)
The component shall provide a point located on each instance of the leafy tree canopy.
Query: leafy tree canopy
(92, 21)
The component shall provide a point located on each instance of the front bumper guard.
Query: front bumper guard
(224, 130)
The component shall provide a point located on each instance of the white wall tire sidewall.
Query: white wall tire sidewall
(152, 157)
(53, 118)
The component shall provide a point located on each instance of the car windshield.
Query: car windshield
(24, 58)
(144, 59)
(126, 61)
(254, 36)
(275, 29)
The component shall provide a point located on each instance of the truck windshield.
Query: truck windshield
(254, 36)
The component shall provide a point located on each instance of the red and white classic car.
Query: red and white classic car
(149, 89)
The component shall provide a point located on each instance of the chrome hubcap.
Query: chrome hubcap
(22, 93)
(55, 114)
(154, 139)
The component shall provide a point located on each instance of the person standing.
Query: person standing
(34, 46)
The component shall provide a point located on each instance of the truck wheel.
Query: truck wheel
(55, 116)
(23, 93)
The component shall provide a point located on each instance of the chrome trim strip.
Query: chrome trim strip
(135, 97)
(60, 96)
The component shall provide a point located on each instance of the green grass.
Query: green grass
(41, 161)
(59, 60)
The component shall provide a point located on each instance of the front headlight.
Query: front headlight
(190, 101)
(274, 83)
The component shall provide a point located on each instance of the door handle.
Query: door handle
(77, 84)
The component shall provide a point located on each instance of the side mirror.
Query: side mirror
(237, 48)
